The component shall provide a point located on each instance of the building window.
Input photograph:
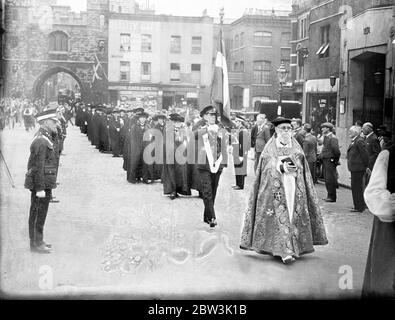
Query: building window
(125, 42)
(323, 50)
(303, 28)
(195, 73)
(125, 71)
(146, 71)
(102, 20)
(58, 41)
(287, 63)
(236, 66)
(174, 72)
(175, 44)
(241, 39)
(196, 45)
(285, 39)
(242, 66)
(263, 38)
(146, 42)
(262, 70)
(285, 54)
(237, 41)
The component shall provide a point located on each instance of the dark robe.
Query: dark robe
(157, 167)
(115, 135)
(137, 167)
(125, 136)
(175, 175)
(241, 146)
(104, 142)
(95, 129)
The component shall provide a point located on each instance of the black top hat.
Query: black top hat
(280, 120)
(208, 109)
(176, 117)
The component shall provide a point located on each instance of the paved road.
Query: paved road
(112, 239)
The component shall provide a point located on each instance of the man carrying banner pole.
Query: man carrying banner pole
(211, 139)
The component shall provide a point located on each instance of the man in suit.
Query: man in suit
(372, 145)
(260, 135)
(211, 159)
(310, 150)
(330, 155)
(298, 131)
(357, 163)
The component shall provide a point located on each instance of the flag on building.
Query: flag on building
(220, 84)
(96, 67)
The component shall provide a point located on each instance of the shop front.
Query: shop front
(321, 99)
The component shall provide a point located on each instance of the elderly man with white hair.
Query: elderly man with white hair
(372, 144)
(357, 163)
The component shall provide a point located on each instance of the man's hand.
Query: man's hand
(40, 194)
(289, 167)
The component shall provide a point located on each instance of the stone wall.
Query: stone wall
(28, 58)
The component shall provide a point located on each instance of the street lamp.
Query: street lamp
(282, 74)
(332, 81)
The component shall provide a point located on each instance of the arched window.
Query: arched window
(58, 41)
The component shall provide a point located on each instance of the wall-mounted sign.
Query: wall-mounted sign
(342, 108)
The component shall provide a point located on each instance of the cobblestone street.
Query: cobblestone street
(112, 239)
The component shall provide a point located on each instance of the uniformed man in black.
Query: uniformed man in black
(211, 159)
(41, 178)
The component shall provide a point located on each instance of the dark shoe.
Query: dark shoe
(329, 200)
(213, 223)
(288, 259)
(40, 249)
(237, 188)
(356, 210)
(172, 196)
(146, 181)
(53, 200)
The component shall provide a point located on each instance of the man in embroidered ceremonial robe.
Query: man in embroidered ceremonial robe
(283, 217)
(211, 159)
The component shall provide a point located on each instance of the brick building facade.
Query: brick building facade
(342, 64)
(159, 60)
(43, 39)
(260, 41)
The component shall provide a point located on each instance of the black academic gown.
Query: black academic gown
(175, 175)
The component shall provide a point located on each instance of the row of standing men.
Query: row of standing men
(204, 149)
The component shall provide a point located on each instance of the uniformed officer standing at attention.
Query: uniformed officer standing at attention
(211, 159)
(41, 178)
